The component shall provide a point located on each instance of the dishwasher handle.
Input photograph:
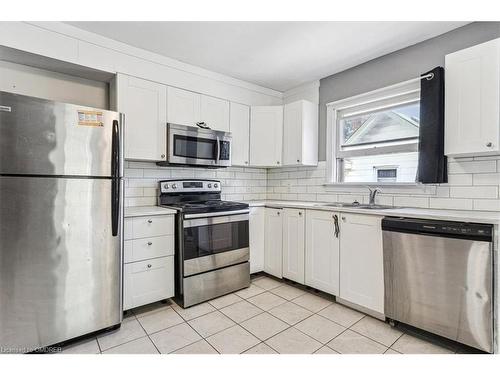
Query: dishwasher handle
(438, 228)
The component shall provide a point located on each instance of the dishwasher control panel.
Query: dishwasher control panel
(479, 232)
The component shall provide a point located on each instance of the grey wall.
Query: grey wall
(398, 66)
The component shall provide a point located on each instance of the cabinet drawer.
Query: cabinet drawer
(149, 226)
(147, 248)
(148, 281)
(362, 219)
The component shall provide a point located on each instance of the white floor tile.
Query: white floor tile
(288, 292)
(193, 311)
(233, 340)
(350, 342)
(267, 283)
(319, 328)
(377, 330)
(341, 314)
(211, 323)
(174, 338)
(264, 325)
(251, 291)
(138, 346)
(129, 330)
(224, 301)
(241, 311)
(290, 313)
(156, 320)
(292, 341)
(325, 350)
(199, 347)
(261, 349)
(266, 301)
(312, 302)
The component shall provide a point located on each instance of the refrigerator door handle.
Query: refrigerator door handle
(115, 174)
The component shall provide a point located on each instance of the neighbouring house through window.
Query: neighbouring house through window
(374, 136)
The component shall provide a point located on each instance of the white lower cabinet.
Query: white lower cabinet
(293, 244)
(273, 238)
(148, 272)
(361, 261)
(322, 251)
(148, 281)
(256, 238)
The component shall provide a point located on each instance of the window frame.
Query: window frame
(406, 89)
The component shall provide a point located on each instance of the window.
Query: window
(374, 136)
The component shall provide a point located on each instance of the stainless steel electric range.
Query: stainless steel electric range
(212, 250)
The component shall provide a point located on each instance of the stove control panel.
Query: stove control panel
(189, 186)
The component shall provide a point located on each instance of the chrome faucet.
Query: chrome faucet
(373, 194)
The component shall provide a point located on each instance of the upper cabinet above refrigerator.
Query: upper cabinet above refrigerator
(472, 100)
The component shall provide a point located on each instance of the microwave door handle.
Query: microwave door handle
(218, 151)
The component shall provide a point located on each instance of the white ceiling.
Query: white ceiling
(277, 55)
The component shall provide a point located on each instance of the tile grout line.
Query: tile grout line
(147, 334)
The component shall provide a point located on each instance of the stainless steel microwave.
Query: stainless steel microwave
(189, 145)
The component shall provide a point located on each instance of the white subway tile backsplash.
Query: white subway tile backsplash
(473, 183)
(487, 166)
(451, 204)
(474, 192)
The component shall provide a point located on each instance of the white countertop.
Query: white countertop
(148, 211)
(486, 217)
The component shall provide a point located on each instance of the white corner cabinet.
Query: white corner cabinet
(239, 125)
(144, 105)
(148, 271)
(266, 136)
(361, 261)
(472, 100)
(300, 133)
(284, 135)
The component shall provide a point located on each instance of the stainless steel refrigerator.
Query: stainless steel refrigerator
(61, 230)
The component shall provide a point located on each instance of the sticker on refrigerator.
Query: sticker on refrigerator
(5, 108)
(89, 118)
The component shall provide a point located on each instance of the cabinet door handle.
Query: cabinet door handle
(163, 156)
(150, 221)
(278, 213)
(489, 144)
(149, 265)
(300, 213)
(150, 243)
(336, 223)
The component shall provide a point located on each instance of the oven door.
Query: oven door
(214, 242)
(196, 146)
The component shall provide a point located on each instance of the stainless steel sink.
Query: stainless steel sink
(357, 205)
(339, 204)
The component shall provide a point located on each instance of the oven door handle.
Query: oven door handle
(212, 214)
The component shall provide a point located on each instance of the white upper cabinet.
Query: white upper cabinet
(322, 251)
(183, 107)
(239, 125)
(273, 252)
(215, 113)
(361, 261)
(187, 108)
(144, 105)
(300, 133)
(266, 136)
(293, 244)
(472, 100)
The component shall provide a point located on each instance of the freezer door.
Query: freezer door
(41, 137)
(60, 265)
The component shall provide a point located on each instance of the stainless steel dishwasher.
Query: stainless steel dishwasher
(438, 276)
